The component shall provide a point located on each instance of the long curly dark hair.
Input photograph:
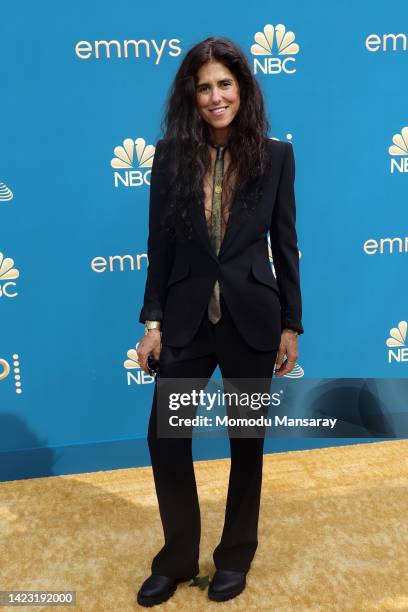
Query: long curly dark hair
(186, 134)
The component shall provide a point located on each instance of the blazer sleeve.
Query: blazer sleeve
(160, 245)
(284, 246)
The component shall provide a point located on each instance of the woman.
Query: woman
(218, 185)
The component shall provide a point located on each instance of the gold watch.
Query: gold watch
(152, 325)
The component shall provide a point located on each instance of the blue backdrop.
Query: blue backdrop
(83, 88)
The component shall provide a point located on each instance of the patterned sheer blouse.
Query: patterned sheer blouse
(226, 193)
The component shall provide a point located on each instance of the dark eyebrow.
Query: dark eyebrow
(220, 81)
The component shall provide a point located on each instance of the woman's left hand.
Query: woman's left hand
(289, 347)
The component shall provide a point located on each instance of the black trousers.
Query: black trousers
(172, 461)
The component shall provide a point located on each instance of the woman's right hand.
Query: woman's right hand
(150, 343)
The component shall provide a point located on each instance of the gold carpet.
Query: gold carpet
(333, 533)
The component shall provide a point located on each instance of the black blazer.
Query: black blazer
(181, 276)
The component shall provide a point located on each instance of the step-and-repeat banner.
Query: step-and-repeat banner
(83, 87)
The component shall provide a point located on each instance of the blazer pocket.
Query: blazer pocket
(180, 270)
(263, 274)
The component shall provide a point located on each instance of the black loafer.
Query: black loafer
(226, 584)
(157, 589)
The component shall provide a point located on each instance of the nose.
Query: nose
(215, 96)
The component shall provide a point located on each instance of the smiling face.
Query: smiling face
(217, 97)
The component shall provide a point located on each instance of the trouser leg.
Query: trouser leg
(239, 538)
(174, 478)
(240, 533)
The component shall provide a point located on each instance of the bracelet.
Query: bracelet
(152, 325)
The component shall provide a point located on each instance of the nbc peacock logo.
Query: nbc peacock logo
(399, 152)
(274, 49)
(132, 163)
(397, 349)
(134, 373)
(10, 369)
(296, 372)
(5, 193)
(8, 274)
